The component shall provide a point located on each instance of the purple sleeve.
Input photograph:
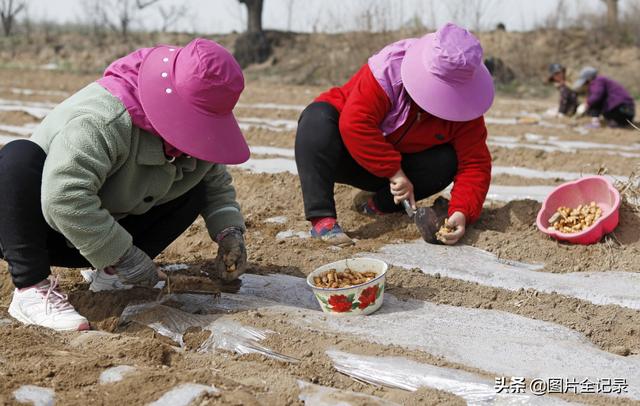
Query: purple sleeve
(596, 92)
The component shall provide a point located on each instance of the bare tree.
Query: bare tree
(612, 13)
(471, 12)
(375, 16)
(479, 10)
(253, 46)
(172, 15)
(456, 10)
(430, 16)
(92, 17)
(236, 12)
(254, 12)
(289, 5)
(9, 9)
(119, 15)
(631, 17)
(557, 19)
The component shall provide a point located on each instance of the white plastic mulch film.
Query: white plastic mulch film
(165, 320)
(496, 192)
(183, 395)
(226, 334)
(115, 374)
(36, 109)
(502, 343)
(529, 173)
(402, 373)
(270, 165)
(231, 336)
(276, 220)
(318, 395)
(475, 265)
(35, 395)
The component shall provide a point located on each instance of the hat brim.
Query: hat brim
(579, 83)
(453, 102)
(209, 137)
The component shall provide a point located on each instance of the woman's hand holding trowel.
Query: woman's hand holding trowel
(402, 189)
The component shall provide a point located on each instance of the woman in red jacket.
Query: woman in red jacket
(405, 126)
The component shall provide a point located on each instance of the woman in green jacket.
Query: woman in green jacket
(117, 172)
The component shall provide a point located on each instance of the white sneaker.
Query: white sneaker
(100, 280)
(45, 306)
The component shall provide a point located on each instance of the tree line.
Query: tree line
(253, 46)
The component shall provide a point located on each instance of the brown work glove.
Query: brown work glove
(231, 261)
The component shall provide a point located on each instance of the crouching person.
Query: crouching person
(405, 126)
(568, 98)
(605, 97)
(117, 172)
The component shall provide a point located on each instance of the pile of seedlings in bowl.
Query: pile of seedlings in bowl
(569, 221)
(332, 279)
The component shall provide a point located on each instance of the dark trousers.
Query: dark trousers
(30, 246)
(323, 160)
(621, 115)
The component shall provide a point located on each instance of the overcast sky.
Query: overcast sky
(220, 16)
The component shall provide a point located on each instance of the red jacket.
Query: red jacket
(363, 105)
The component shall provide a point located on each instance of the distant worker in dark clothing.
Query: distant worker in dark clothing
(500, 72)
(568, 98)
(605, 97)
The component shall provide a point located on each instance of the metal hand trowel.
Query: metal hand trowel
(428, 219)
(197, 285)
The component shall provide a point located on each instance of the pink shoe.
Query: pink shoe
(369, 208)
(330, 232)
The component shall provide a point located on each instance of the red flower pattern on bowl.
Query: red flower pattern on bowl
(368, 297)
(340, 303)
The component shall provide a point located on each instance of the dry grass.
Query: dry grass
(609, 247)
(630, 194)
(630, 190)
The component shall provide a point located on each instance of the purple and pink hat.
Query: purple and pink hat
(444, 74)
(188, 95)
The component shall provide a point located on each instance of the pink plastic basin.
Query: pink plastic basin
(583, 191)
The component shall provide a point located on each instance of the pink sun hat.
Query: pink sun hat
(444, 74)
(188, 95)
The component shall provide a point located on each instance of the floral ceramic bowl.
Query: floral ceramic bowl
(365, 298)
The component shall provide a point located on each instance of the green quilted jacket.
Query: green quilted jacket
(100, 168)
